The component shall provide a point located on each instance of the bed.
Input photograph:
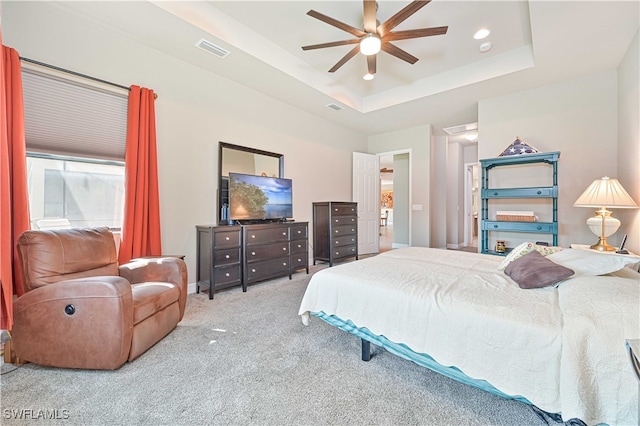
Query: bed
(560, 348)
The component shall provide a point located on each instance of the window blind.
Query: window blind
(67, 117)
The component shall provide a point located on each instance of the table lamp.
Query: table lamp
(603, 193)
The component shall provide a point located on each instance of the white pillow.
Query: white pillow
(591, 262)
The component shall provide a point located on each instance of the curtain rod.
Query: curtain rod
(155, 95)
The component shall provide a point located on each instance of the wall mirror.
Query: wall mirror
(242, 159)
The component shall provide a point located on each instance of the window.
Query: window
(75, 135)
(82, 192)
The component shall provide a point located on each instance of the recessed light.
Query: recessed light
(480, 34)
(486, 46)
(368, 76)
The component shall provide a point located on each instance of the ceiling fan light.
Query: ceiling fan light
(368, 76)
(370, 44)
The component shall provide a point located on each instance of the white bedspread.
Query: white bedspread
(561, 348)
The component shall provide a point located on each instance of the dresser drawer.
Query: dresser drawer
(299, 260)
(298, 246)
(227, 256)
(267, 251)
(344, 220)
(345, 251)
(343, 230)
(343, 210)
(226, 239)
(227, 274)
(344, 240)
(267, 235)
(298, 232)
(267, 269)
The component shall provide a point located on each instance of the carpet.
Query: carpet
(246, 359)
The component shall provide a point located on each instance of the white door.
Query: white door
(366, 192)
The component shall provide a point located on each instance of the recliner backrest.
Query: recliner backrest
(47, 257)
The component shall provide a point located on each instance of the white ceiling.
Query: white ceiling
(534, 43)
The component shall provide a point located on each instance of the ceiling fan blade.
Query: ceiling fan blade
(371, 64)
(422, 32)
(331, 44)
(370, 7)
(399, 53)
(403, 14)
(334, 22)
(353, 52)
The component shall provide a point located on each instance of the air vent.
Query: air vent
(463, 128)
(212, 48)
(334, 107)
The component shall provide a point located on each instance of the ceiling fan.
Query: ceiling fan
(375, 37)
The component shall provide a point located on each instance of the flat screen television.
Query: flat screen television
(259, 197)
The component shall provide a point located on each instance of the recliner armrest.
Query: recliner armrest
(80, 323)
(158, 269)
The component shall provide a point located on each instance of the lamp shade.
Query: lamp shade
(605, 192)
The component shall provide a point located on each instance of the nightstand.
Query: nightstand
(633, 346)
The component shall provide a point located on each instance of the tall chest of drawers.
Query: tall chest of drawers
(335, 231)
(241, 255)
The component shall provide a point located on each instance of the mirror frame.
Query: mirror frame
(224, 145)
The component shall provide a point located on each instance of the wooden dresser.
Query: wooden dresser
(229, 256)
(335, 231)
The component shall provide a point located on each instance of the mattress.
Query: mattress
(560, 348)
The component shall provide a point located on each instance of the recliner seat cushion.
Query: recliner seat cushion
(152, 297)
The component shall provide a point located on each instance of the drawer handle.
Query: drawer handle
(253, 270)
(284, 233)
(353, 230)
(299, 245)
(284, 263)
(495, 193)
(337, 253)
(227, 256)
(284, 249)
(353, 240)
(337, 242)
(253, 253)
(253, 236)
(495, 226)
(336, 220)
(538, 227)
(299, 232)
(539, 192)
(227, 238)
(336, 231)
(353, 220)
(335, 210)
(227, 274)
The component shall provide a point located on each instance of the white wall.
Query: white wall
(629, 141)
(576, 117)
(438, 191)
(418, 140)
(195, 109)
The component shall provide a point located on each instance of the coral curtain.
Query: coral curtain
(14, 198)
(141, 225)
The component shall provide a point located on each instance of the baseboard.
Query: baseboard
(191, 288)
(453, 246)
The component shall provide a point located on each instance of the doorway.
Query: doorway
(471, 197)
(395, 200)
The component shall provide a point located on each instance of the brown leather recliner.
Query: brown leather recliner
(81, 310)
